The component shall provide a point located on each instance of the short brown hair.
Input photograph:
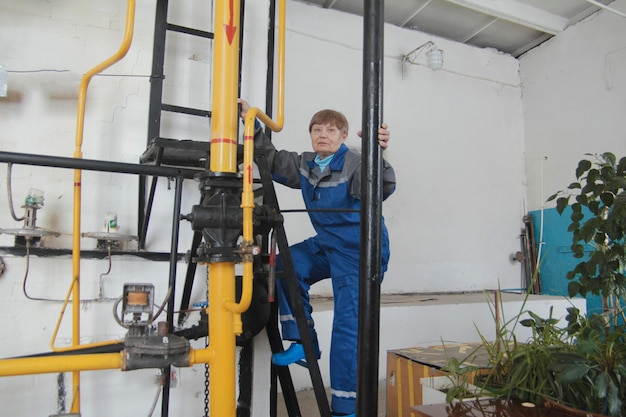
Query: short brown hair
(331, 117)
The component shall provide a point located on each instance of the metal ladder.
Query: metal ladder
(160, 150)
(289, 275)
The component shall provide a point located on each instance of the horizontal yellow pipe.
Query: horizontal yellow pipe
(198, 356)
(83, 362)
(65, 363)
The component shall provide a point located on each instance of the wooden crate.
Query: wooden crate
(405, 368)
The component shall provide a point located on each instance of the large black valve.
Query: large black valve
(219, 217)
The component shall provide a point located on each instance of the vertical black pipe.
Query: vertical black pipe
(370, 268)
(275, 372)
(165, 399)
(269, 80)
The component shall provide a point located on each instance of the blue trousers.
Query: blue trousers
(313, 263)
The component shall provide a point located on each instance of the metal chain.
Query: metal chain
(206, 389)
(206, 367)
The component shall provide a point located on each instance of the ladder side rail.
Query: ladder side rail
(293, 288)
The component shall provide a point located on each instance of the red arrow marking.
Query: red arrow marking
(229, 28)
(250, 174)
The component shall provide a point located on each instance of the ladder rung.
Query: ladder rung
(190, 31)
(187, 110)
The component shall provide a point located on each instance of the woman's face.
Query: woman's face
(326, 139)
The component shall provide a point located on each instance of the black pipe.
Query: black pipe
(327, 210)
(165, 399)
(94, 165)
(269, 80)
(189, 279)
(44, 252)
(370, 268)
(291, 401)
(112, 348)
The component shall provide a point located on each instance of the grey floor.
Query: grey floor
(308, 404)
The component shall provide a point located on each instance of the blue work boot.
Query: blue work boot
(294, 354)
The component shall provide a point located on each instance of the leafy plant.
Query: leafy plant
(593, 376)
(598, 221)
(522, 370)
(461, 374)
(577, 365)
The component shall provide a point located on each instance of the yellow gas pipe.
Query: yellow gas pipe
(221, 275)
(56, 364)
(130, 18)
(224, 313)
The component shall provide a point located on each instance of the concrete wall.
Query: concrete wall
(457, 147)
(574, 99)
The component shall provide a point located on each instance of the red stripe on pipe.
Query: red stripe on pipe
(224, 140)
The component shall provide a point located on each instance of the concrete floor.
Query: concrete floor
(308, 404)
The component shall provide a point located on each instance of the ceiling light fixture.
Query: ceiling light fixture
(434, 54)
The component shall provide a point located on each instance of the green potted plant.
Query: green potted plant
(598, 225)
(576, 366)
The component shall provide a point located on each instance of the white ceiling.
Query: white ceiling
(510, 26)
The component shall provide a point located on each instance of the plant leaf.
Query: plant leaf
(621, 166)
(561, 204)
(572, 373)
(609, 158)
(607, 198)
(573, 289)
(583, 166)
(615, 403)
(602, 385)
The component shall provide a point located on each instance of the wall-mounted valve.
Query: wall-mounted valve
(29, 233)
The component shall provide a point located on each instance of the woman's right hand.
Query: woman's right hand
(244, 108)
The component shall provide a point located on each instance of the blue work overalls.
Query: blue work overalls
(332, 253)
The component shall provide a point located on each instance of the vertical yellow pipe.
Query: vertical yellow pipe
(222, 376)
(80, 122)
(224, 312)
(247, 197)
(225, 81)
(221, 275)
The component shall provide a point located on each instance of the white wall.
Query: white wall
(457, 147)
(574, 99)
